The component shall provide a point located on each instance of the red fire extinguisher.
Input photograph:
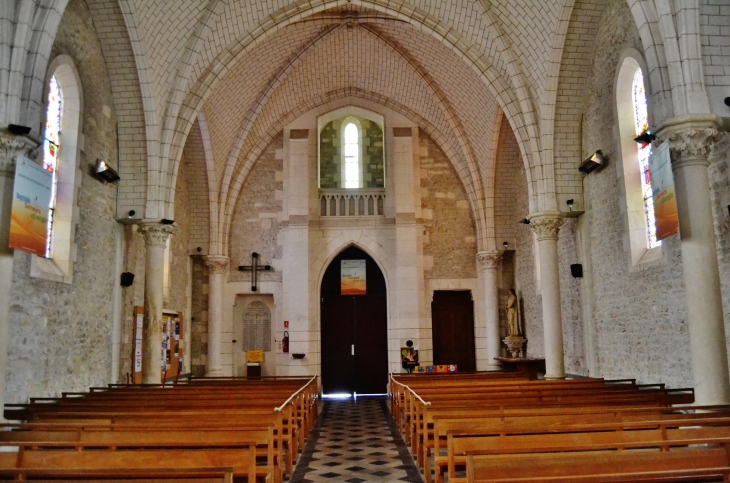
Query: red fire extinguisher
(285, 343)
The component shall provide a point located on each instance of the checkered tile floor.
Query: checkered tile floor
(355, 441)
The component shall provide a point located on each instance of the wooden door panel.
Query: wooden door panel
(452, 317)
(338, 364)
(371, 344)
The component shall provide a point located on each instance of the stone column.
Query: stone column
(155, 238)
(217, 266)
(10, 147)
(489, 263)
(546, 226)
(690, 140)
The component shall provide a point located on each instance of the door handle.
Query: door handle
(352, 348)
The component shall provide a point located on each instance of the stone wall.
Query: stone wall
(60, 334)
(255, 223)
(638, 313)
(449, 241)
(199, 318)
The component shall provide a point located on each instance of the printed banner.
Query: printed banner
(662, 189)
(31, 198)
(352, 277)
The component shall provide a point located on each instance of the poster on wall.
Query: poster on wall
(352, 277)
(31, 199)
(662, 189)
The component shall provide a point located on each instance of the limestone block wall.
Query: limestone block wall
(449, 241)
(199, 317)
(60, 334)
(256, 219)
(638, 313)
(715, 40)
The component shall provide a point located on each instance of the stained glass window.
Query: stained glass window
(352, 153)
(641, 123)
(51, 145)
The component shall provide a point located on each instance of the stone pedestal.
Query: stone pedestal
(217, 266)
(514, 344)
(10, 147)
(489, 264)
(546, 226)
(690, 140)
(155, 238)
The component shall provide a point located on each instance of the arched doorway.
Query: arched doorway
(354, 327)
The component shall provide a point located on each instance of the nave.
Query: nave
(469, 427)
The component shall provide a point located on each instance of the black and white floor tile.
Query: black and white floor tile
(355, 441)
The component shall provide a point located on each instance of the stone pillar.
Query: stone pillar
(489, 263)
(546, 226)
(217, 266)
(155, 237)
(690, 141)
(10, 147)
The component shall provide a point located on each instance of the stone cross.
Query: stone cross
(254, 269)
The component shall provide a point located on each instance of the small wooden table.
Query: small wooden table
(529, 366)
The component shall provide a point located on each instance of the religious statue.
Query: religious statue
(513, 325)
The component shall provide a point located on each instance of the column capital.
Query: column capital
(721, 146)
(489, 260)
(156, 234)
(11, 146)
(691, 138)
(216, 263)
(546, 225)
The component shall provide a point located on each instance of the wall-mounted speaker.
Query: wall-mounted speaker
(576, 270)
(127, 279)
(18, 130)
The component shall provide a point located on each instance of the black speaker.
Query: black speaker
(18, 130)
(576, 270)
(127, 279)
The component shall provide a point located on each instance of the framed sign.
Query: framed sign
(353, 279)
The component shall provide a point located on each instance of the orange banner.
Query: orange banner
(29, 216)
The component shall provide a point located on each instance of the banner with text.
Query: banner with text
(662, 189)
(31, 198)
(353, 277)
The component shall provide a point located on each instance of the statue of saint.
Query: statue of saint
(514, 326)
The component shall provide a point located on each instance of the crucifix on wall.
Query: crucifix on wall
(254, 269)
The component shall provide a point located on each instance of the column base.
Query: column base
(554, 378)
(494, 367)
(214, 372)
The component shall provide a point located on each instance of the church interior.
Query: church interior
(291, 188)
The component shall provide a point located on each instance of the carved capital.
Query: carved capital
(216, 263)
(156, 234)
(546, 226)
(721, 147)
(11, 146)
(691, 139)
(489, 260)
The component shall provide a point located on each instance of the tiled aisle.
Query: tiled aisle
(355, 441)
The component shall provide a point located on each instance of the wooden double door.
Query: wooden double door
(354, 331)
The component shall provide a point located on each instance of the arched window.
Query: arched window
(641, 124)
(633, 117)
(62, 145)
(352, 156)
(51, 146)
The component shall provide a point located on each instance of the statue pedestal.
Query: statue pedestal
(514, 344)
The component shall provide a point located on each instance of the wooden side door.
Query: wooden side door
(452, 317)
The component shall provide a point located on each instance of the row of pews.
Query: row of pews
(204, 430)
(503, 428)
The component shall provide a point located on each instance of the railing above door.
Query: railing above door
(351, 202)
